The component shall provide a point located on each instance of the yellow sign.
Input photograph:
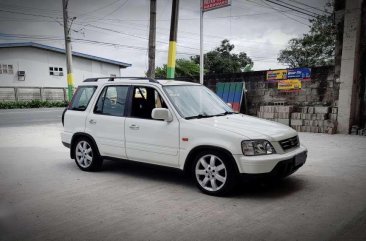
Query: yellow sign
(289, 84)
(280, 74)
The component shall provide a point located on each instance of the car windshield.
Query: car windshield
(196, 101)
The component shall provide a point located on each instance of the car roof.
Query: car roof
(133, 80)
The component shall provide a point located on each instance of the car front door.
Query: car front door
(149, 140)
(105, 123)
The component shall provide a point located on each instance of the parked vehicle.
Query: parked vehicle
(176, 124)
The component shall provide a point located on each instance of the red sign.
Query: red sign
(214, 4)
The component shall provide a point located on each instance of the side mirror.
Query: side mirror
(161, 114)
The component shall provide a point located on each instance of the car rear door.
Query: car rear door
(105, 123)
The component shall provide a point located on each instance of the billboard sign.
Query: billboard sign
(275, 75)
(289, 84)
(209, 5)
(299, 73)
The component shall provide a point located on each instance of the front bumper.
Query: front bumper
(267, 163)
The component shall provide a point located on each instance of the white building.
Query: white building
(36, 65)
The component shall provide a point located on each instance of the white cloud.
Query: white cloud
(259, 31)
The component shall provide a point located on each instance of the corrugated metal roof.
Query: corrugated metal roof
(59, 50)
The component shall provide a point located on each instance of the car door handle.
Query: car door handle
(134, 127)
(93, 122)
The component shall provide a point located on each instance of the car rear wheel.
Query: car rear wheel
(86, 155)
(214, 173)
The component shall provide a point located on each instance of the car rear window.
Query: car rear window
(112, 101)
(82, 97)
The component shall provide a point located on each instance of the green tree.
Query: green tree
(316, 48)
(183, 68)
(222, 60)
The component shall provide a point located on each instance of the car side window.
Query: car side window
(112, 101)
(144, 100)
(82, 98)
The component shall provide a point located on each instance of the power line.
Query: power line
(98, 9)
(189, 19)
(29, 14)
(142, 27)
(24, 36)
(113, 11)
(282, 12)
(294, 9)
(214, 44)
(55, 20)
(102, 43)
(26, 8)
(26, 20)
(294, 19)
(136, 36)
(99, 43)
(297, 7)
(309, 6)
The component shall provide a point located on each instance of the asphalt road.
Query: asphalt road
(44, 196)
(25, 117)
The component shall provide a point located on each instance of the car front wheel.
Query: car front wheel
(86, 156)
(214, 173)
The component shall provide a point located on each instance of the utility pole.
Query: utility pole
(202, 66)
(208, 5)
(173, 40)
(70, 77)
(152, 40)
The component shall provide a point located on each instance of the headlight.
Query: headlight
(257, 147)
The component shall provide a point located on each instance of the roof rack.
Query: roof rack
(112, 79)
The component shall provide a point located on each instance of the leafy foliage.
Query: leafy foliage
(316, 48)
(183, 68)
(31, 104)
(218, 61)
(222, 60)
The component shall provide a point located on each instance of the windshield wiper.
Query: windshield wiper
(198, 116)
(226, 113)
(207, 116)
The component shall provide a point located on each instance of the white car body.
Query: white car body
(169, 143)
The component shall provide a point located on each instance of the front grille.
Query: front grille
(290, 143)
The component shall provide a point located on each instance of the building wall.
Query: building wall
(321, 89)
(36, 62)
(308, 109)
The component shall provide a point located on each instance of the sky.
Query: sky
(118, 29)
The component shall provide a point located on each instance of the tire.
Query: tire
(87, 157)
(214, 173)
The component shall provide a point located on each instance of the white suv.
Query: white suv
(177, 124)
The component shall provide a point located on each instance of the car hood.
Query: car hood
(249, 127)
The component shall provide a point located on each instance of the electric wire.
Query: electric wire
(297, 7)
(309, 6)
(294, 9)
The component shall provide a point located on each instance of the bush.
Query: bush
(32, 104)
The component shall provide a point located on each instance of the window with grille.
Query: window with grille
(6, 69)
(56, 71)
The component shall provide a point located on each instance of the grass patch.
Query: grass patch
(32, 104)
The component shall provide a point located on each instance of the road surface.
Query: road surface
(24, 117)
(44, 196)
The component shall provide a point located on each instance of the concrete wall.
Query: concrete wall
(307, 110)
(349, 96)
(36, 62)
(322, 89)
(32, 93)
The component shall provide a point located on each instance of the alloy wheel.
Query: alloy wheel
(211, 173)
(84, 154)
